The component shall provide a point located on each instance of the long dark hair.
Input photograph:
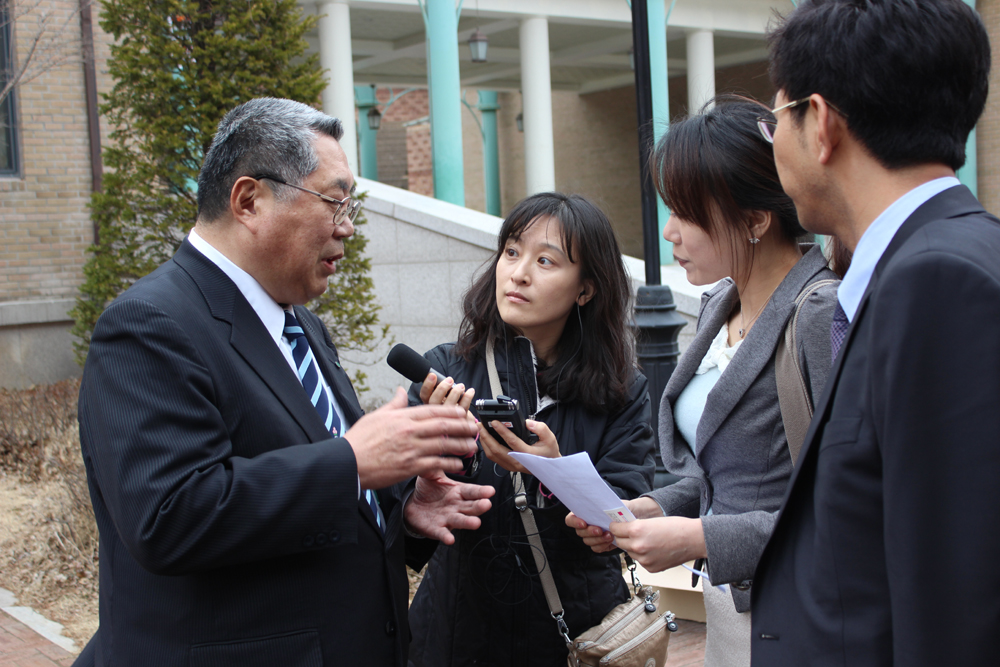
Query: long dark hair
(714, 169)
(595, 369)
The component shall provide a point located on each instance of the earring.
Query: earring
(754, 240)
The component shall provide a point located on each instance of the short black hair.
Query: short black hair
(264, 136)
(911, 76)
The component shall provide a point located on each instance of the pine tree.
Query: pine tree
(178, 67)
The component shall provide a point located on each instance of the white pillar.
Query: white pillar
(335, 57)
(536, 96)
(701, 68)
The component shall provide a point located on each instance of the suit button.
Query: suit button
(744, 585)
(320, 539)
(308, 540)
(390, 628)
(334, 537)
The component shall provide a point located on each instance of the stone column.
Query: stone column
(444, 86)
(536, 92)
(335, 57)
(701, 68)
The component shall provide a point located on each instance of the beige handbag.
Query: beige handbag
(633, 634)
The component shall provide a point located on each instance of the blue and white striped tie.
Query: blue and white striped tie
(309, 376)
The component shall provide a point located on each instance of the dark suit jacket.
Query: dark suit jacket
(886, 550)
(231, 528)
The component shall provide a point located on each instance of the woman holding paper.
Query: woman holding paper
(721, 427)
(552, 306)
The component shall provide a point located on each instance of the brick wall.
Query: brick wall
(418, 159)
(45, 229)
(597, 155)
(988, 130)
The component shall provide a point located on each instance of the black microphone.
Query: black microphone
(410, 363)
(414, 367)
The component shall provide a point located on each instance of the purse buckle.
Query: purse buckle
(521, 501)
(563, 628)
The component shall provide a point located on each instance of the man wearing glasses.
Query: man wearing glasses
(886, 548)
(250, 514)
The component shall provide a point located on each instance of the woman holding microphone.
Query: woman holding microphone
(550, 312)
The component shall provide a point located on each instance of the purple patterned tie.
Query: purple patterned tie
(838, 330)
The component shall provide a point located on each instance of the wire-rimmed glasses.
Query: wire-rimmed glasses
(347, 208)
(767, 126)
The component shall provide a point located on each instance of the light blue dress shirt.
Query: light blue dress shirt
(877, 237)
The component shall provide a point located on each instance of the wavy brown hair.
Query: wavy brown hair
(595, 370)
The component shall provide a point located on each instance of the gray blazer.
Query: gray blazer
(742, 465)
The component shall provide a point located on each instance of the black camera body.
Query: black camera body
(504, 409)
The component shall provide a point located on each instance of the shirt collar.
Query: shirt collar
(877, 237)
(267, 309)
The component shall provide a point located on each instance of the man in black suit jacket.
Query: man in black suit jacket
(886, 550)
(235, 524)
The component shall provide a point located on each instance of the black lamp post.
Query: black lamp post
(657, 322)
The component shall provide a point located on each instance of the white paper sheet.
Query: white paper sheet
(577, 484)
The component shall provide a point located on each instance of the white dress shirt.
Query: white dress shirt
(877, 237)
(271, 315)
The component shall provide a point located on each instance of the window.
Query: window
(8, 130)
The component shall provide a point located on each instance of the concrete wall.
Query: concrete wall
(424, 254)
(35, 344)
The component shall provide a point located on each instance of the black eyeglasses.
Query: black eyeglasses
(347, 208)
(767, 126)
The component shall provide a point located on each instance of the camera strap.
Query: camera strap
(528, 519)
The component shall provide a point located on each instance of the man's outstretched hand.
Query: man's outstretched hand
(440, 505)
(396, 442)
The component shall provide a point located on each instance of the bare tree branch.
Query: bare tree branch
(49, 39)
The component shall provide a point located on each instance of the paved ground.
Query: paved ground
(687, 646)
(21, 646)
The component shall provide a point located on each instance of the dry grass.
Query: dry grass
(48, 537)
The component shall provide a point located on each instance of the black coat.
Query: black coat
(886, 548)
(481, 601)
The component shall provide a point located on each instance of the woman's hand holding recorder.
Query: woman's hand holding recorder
(499, 453)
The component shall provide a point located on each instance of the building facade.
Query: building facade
(562, 66)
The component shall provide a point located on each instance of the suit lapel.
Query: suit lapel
(757, 348)
(709, 322)
(330, 366)
(250, 338)
(254, 344)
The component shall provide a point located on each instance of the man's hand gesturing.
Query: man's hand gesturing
(397, 442)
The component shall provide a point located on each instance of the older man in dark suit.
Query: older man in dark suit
(886, 549)
(249, 512)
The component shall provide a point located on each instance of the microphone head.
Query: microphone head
(408, 362)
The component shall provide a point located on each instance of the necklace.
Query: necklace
(744, 327)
